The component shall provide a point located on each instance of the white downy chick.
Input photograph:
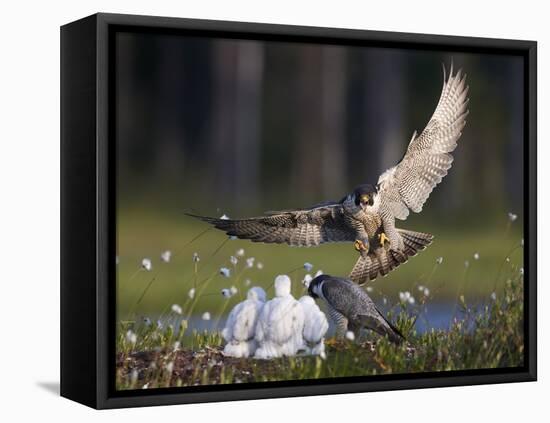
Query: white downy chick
(315, 326)
(280, 325)
(240, 327)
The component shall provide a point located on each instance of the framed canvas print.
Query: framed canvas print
(255, 211)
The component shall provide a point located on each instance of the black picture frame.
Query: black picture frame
(87, 212)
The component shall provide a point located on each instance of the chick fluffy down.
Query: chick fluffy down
(280, 325)
(240, 327)
(315, 326)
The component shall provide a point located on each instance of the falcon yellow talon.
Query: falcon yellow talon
(360, 245)
(383, 239)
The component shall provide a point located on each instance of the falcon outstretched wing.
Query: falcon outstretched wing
(427, 160)
(301, 228)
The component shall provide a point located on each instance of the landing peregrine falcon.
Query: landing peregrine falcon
(367, 215)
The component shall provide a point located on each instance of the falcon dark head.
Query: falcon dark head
(314, 289)
(364, 195)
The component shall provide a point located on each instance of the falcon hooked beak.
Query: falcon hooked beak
(365, 200)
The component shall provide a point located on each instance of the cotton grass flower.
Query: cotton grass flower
(206, 316)
(250, 262)
(521, 271)
(369, 289)
(512, 217)
(240, 252)
(426, 292)
(166, 256)
(233, 290)
(225, 272)
(260, 265)
(176, 308)
(466, 264)
(224, 217)
(233, 260)
(131, 337)
(307, 280)
(439, 260)
(169, 367)
(191, 293)
(404, 296)
(196, 258)
(476, 256)
(493, 296)
(350, 336)
(247, 282)
(308, 266)
(147, 264)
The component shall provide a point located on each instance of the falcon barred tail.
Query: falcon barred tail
(381, 261)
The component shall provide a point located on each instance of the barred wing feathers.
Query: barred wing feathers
(428, 159)
(301, 228)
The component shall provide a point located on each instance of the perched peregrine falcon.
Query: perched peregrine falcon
(367, 215)
(351, 308)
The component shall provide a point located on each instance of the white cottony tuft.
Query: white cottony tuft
(411, 300)
(205, 316)
(307, 280)
(439, 260)
(131, 337)
(521, 271)
(170, 367)
(350, 336)
(233, 290)
(233, 260)
(512, 217)
(240, 252)
(176, 308)
(147, 264)
(196, 257)
(476, 256)
(466, 264)
(224, 271)
(224, 217)
(369, 289)
(404, 296)
(247, 282)
(426, 292)
(260, 265)
(166, 256)
(191, 293)
(319, 273)
(308, 266)
(493, 296)
(250, 262)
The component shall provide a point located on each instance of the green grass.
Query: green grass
(487, 335)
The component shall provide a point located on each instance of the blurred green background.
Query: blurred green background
(216, 126)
